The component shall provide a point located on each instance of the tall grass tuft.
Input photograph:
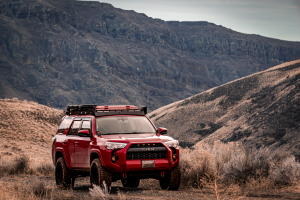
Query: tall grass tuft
(100, 193)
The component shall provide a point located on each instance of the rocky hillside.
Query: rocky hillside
(259, 110)
(70, 52)
(27, 128)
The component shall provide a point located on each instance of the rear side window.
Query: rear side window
(65, 124)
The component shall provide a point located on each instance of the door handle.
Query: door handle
(76, 143)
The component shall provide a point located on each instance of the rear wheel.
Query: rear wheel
(130, 182)
(63, 176)
(99, 174)
(171, 180)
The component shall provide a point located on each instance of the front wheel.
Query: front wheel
(63, 176)
(130, 182)
(99, 174)
(171, 180)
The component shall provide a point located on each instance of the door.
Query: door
(82, 145)
(70, 141)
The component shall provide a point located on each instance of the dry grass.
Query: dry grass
(232, 164)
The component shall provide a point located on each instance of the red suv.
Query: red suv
(110, 143)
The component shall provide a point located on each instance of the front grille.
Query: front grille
(147, 145)
(146, 155)
(146, 151)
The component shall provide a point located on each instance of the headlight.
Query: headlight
(172, 143)
(114, 145)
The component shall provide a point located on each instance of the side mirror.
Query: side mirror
(162, 131)
(84, 133)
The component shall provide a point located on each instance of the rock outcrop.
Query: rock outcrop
(71, 52)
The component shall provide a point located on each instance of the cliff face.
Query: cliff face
(68, 52)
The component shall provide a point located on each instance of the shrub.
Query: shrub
(20, 165)
(232, 163)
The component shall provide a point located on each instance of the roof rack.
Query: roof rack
(81, 110)
(137, 111)
(105, 110)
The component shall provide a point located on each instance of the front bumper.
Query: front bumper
(124, 165)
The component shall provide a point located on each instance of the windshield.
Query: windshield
(123, 125)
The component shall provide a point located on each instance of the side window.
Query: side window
(65, 124)
(75, 127)
(86, 125)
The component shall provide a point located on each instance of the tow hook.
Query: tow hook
(124, 175)
(162, 174)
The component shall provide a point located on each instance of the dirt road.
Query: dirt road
(43, 187)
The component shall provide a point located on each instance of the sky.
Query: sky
(278, 19)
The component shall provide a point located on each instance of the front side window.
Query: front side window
(86, 125)
(123, 125)
(75, 127)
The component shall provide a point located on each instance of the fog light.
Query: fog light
(174, 156)
(114, 158)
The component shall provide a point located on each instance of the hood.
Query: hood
(137, 138)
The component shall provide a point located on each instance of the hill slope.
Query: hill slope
(27, 128)
(262, 109)
(71, 52)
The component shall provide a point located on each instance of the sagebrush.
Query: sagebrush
(236, 164)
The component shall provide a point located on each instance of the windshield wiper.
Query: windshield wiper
(125, 133)
(131, 133)
(135, 132)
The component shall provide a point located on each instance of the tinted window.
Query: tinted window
(123, 124)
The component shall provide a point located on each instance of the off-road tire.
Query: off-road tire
(171, 180)
(130, 182)
(99, 174)
(63, 176)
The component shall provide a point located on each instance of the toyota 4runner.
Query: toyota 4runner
(110, 143)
